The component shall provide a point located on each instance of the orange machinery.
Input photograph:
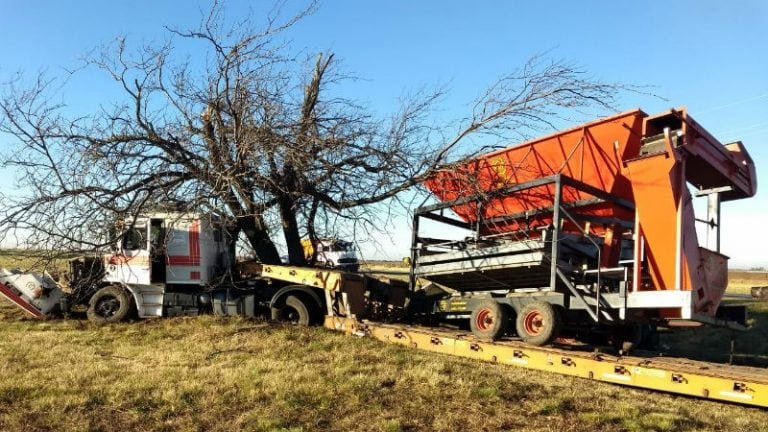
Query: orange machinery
(644, 164)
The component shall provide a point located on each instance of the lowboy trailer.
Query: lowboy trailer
(361, 306)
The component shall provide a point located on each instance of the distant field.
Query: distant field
(31, 260)
(384, 265)
(740, 281)
(217, 374)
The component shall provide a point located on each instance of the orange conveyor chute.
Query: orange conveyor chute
(642, 159)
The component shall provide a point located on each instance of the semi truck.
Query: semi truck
(171, 264)
(588, 233)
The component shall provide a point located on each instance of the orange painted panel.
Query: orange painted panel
(656, 204)
(591, 153)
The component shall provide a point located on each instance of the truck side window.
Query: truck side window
(135, 239)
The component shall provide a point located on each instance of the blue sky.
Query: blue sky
(707, 55)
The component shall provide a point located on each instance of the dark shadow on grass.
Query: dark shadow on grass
(748, 348)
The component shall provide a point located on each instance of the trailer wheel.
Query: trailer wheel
(538, 323)
(489, 320)
(110, 304)
(296, 310)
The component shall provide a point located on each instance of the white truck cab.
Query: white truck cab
(168, 248)
(334, 253)
(166, 252)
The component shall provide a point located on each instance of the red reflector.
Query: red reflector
(194, 275)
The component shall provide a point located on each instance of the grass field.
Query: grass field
(221, 374)
(742, 281)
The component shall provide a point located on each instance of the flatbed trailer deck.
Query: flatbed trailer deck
(726, 383)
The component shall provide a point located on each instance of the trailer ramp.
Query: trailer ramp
(725, 383)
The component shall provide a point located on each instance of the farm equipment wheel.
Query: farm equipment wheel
(489, 320)
(296, 310)
(110, 304)
(538, 323)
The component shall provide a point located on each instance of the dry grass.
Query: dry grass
(741, 282)
(31, 260)
(223, 374)
(219, 374)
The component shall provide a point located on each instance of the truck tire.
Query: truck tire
(489, 320)
(296, 310)
(110, 304)
(538, 323)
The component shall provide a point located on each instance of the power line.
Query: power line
(754, 132)
(743, 129)
(730, 104)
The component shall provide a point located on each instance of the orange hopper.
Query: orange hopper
(644, 161)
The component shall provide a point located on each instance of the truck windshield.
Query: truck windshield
(341, 247)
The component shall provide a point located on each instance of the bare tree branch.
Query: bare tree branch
(251, 135)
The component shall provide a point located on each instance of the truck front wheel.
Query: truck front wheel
(296, 310)
(110, 304)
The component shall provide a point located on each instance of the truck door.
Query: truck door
(132, 264)
(157, 251)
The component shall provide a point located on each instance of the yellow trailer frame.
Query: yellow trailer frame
(736, 384)
(727, 383)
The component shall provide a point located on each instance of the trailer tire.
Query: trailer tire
(489, 320)
(110, 304)
(297, 310)
(538, 323)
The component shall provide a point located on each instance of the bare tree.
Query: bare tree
(249, 136)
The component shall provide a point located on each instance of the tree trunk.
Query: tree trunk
(233, 233)
(255, 230)
(291, 230)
